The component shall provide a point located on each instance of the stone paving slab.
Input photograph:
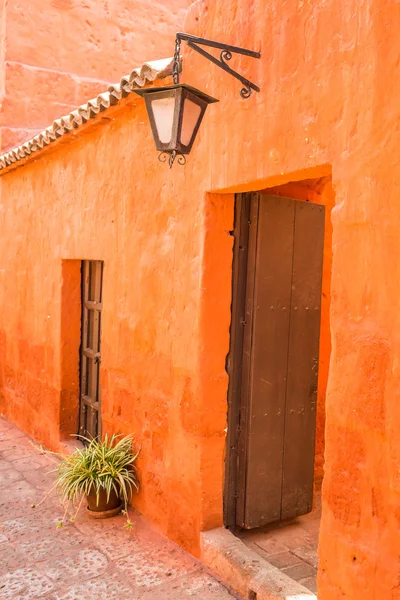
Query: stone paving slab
(87, 559)
(291, 546)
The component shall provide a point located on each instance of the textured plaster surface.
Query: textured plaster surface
(57, 54)
(328, 106)
(87, 560)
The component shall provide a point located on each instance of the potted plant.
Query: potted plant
(103, 472)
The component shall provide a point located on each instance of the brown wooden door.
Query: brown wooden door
(277, 357)
(90, 397)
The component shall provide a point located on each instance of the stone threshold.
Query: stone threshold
(245, 572)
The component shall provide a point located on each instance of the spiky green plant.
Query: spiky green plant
(101, 465)
(107, 465)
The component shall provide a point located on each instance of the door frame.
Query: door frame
(243, 274)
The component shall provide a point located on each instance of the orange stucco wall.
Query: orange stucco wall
(57, 54)
(328, 107)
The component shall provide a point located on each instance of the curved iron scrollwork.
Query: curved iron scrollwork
(225, 55)
(181, 159)
(170, 157)
(245, 92)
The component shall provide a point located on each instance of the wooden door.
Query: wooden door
(273, 362)
(90, 396)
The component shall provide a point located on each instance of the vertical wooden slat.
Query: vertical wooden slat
(245, 384)
(98, 298)
(91, 422)
(91, 280)
(91, 414)
(301, 394)
(268, 354)
(84, 336)
(234, 362)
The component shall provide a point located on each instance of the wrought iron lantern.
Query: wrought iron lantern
(176, 111)
(175, 114)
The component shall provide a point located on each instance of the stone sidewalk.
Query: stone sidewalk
(85, 560)
(291, 546)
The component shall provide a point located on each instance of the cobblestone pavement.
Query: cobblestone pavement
(292, 546)
(86, 560)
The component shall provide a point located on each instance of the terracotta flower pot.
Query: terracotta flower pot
(103, 508)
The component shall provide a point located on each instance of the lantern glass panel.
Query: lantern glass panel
(191, 114)
(163, 111)
(175, 113)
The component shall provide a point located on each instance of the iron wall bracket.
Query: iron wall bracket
(226, 54)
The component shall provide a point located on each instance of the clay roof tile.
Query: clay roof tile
(147, 73)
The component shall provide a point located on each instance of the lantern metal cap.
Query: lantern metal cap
(189, 88)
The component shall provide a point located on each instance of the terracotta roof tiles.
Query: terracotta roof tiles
(147, 73)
